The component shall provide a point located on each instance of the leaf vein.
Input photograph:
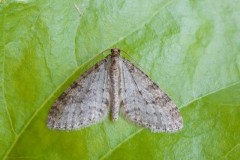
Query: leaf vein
(117, 146)
(210, 93)
(144, 23)
(233, 148)
(38, 110)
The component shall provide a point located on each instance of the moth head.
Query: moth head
(115, 51)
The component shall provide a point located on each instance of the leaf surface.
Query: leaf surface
(189, 48)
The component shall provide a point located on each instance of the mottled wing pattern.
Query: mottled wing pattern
(85, 102)
(144, 103)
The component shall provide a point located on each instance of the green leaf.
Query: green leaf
(190, 48)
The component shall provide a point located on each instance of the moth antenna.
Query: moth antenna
(133, 60)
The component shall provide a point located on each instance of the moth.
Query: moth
(114, 85)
